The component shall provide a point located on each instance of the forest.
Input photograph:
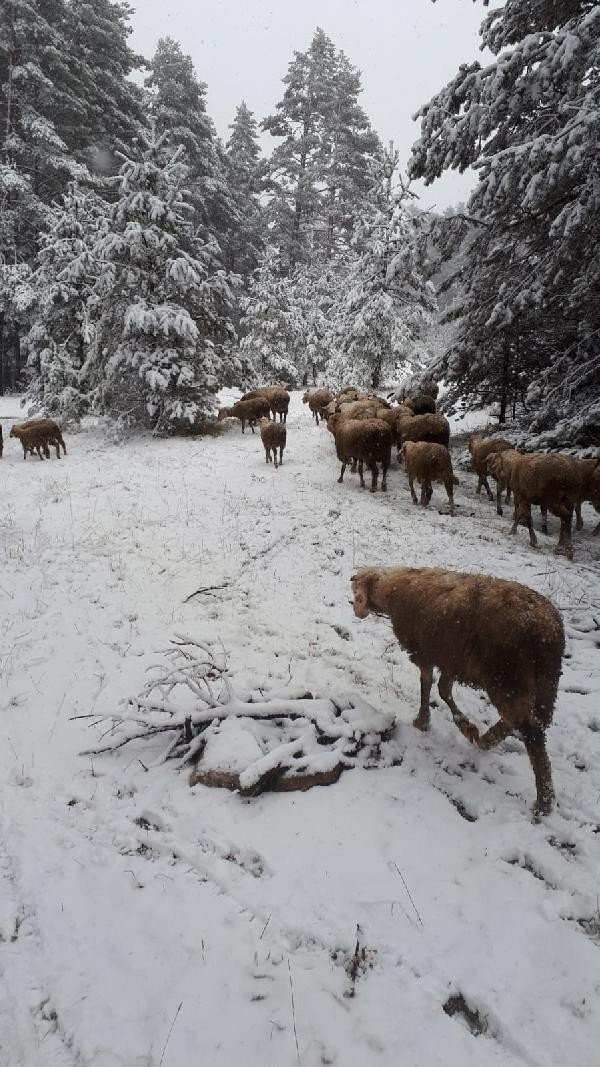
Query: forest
(145, 263)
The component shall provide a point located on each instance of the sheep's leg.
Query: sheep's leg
(341, 477)
(564, 541)
(579, 523)
(374, 474)
(450, 492)
(535, 743)
(467, 729)
(57, 446)
(424, 494)
(508, 492)
(252, 425)
(423, 719)
(360, 472)
(281, 456)
(64, 447)
(275, 457)
(486, 486)
(479, 484)
(243, 426)
(496, 733)
(412, 489)
(544, 526)
(354, 466)
(47, 450)
(267, 454)
(384, 471)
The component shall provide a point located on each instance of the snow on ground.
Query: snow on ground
(143, 922)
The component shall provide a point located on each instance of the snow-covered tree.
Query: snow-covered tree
(386, 305)
(272, 324)
(161, 345)
(245, 242)
(67, 270)
(528, 121)
(318, 172)
(177, 105)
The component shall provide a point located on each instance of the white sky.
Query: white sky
(406, 50)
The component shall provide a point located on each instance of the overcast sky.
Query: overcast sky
(406, 50)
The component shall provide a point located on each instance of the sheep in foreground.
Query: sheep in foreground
(273, 436)
(480, 449)
(36, 435)
(427, 463)
(247, 411)
(317, 400)
(367, 442)
(483, 632)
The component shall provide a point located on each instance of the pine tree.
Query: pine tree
(109, 107)
(386, 306)
(317, 173)
(66, 273)
(160, 349)
(245, 243)
(272, 324)
(177, 104)
(528, 122)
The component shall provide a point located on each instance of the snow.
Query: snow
(142, 921)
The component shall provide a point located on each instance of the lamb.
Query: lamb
(429, 463)
(36, 435)
(483, 632)
(273, 436)
(433, 428)
(555, 482)
(247, 411)
(317, 401)
(480, 449)
(367, 441)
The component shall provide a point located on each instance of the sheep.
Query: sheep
(247, 411)
(430, 388)
(421, 404)
(273, 436)
(588, 472)
(428, 463)
(278, 397)
(317, 400)
(365, 441)
(433, 428)
(555, 482)
(483, 632)
(480, 448)
(37, 435)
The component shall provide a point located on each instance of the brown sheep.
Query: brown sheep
(278, 397)
(588, 473)
(421, 404)
(433, 428)
(367, 441)
(483, 632)
(430, 388)
(273, 436)
(317, 400)
(480, 449)
(247, 411)
(555, 483)
(428, 463)
(37, 435)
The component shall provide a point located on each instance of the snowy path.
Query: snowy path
(126, 894)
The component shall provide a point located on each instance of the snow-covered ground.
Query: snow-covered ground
(143, 922)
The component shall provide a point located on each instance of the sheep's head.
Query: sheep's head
(224, 413)
(472, 440)
(305, 397)
(594, 487)
(360, 593)
(13, 432)
(263, 422)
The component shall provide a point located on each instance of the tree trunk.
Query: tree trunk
(504, 380)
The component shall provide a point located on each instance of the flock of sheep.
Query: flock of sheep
(477, 630)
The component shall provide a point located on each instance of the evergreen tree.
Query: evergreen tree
(528, 122)
(387, 305)
(160, 349)
(63, 321)
(317, 174)
(272, 324)
(177, 104)
(245, 243)
(109, 109)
